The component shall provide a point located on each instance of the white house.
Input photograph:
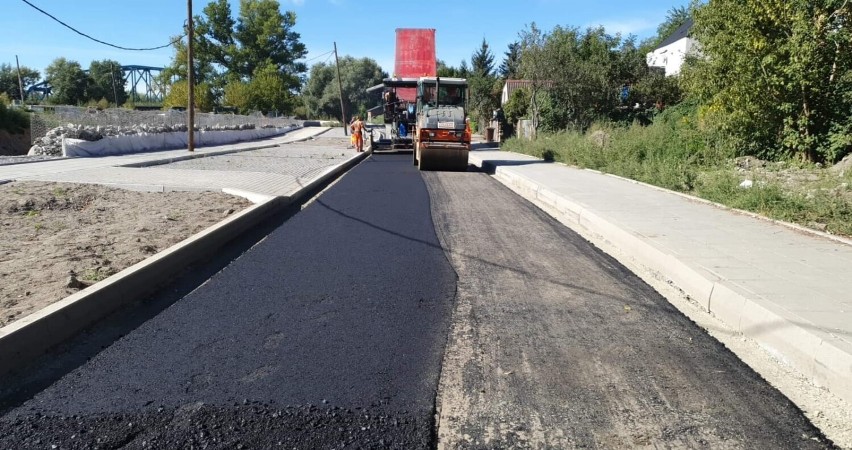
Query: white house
(673, 50)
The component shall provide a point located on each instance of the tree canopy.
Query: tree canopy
(578, 76)
(322, 95)
(68, 80)
(9, 80)
(258, 43)
(510, 67)
(776, 77)
(106, 82)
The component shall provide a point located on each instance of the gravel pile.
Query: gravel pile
(51, 143)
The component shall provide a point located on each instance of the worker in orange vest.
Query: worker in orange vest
(357, 129)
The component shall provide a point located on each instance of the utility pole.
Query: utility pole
(340, 88)
(20, 82)
(114, 91)
(190, 79)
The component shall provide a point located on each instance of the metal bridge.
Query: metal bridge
(141, 82)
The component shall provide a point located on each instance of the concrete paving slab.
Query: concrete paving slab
(783, 286)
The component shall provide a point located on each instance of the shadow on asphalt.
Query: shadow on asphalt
(518, 270)
(19, 386)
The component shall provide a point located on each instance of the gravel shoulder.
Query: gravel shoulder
(58, 238)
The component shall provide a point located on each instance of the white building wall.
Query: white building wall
(671, 57)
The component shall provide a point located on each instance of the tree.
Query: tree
(9, 80)
(534, 67)
(443, 70)
(229, 50)
(515, 109)
(69, 82)
(483, 99)
(776, 77)
(675, 17)
(321, 93)
(510, 67)
(178, 96)
(266, 36)
(482, 61)
(106, 81)
(577, 76)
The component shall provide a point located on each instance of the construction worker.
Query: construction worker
(357, 129)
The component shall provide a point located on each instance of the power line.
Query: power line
(320, 56)
(98, 40)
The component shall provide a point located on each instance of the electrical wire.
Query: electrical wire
(318, 57)
(98, 40)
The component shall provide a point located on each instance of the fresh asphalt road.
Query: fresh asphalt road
(398, 296)
(328, 333)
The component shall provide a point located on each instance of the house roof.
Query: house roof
(678, 34)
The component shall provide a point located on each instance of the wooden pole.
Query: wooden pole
(114, 90)
(190, 79)
(340, 88)
(20, 82)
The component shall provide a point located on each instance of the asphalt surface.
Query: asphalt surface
(329, 333)
(556, 345)
(398, 297)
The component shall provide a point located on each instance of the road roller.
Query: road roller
(442, 132)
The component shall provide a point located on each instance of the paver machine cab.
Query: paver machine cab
(399, 115)
(442, 130)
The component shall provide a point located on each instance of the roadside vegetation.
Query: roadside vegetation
(760, 120)
(13, 121)
(672, 154)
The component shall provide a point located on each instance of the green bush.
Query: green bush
(668, 153)
(13, 120)
(675, 154)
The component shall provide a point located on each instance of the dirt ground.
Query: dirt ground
(58, 238)
(14, 144)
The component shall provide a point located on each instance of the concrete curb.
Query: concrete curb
(27, 338)
(821, 357)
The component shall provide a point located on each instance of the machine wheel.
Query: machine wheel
(414, 154)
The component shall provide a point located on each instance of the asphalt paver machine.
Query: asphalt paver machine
(399, 115)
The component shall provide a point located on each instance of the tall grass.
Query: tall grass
(12, 120)
(674, 154)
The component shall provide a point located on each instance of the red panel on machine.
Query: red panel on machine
(415, 56)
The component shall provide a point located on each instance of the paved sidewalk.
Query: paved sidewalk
(787, 288)
(256, 168)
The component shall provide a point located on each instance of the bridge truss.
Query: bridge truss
(142, 83)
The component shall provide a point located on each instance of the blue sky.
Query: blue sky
(360, 28)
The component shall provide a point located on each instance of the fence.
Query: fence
(46, 118)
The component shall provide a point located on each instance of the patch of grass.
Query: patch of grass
(60, 192)
(14, 121)
(671, 153)
(32, 213)
(96, 274)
